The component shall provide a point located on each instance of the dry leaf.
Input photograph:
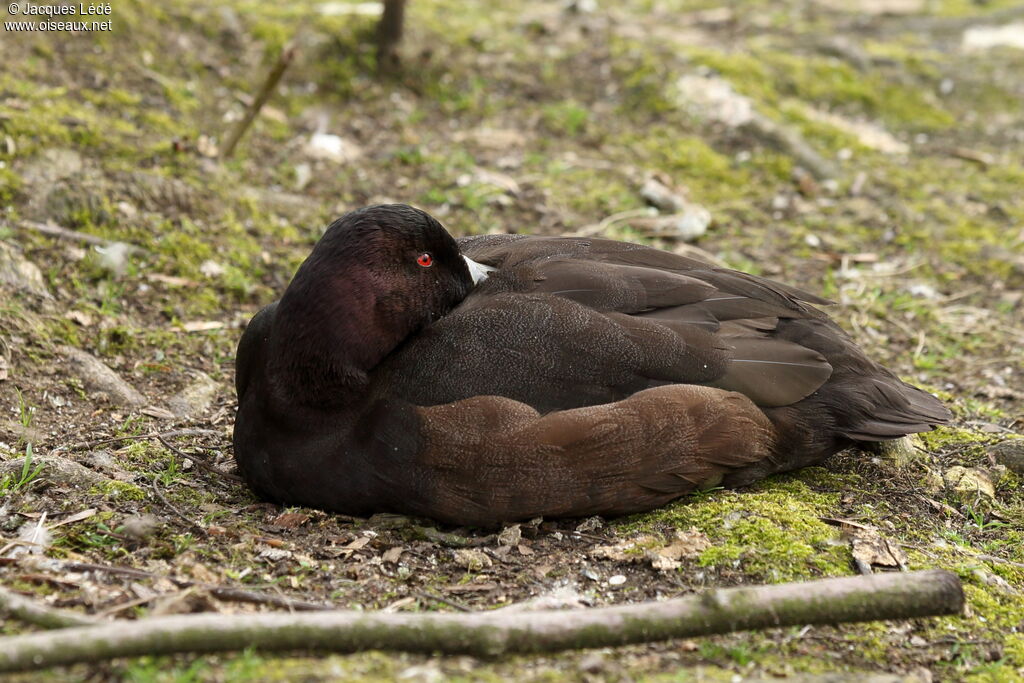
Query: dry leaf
(202, 325)
(157, 412)
(872, 549)
(360, 542)
(77, 517)
(393, 554)
(290, 520)
(172, 280)
(689, 543)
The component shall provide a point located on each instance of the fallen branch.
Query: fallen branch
(286, 57)
(31, 612)
(828, 601)
(52, 230)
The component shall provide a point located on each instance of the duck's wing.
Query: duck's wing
(554, 353)
(488, 459)
(698, 323)
(692, 322)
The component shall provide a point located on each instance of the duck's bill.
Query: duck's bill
(478, 271)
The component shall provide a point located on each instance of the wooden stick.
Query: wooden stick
(389, 34)
(31, 612)
(485, 634)
(273, 78)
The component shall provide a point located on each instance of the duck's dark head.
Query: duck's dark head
(376, 276)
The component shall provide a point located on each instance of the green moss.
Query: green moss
(118, 490)
(769, 76)
(566, 118)
(772, 531)
(9, 183)
(591, 193)
(945, 436)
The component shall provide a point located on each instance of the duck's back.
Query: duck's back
(569, 322)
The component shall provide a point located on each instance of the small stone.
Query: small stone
(1010, 454)
(510, 535)
(211, 268)
(114, 257)
(970, 480)
(20, 273)
(472, 559)
(593, 663)
(590, 524)
(902, 451)
(56, 470)
(713, 99)
(196, 397)
(617, 580)
(274, 554)
(988, 37)
(659, 195)
(98, 377)
(140, 527)
(328, 147)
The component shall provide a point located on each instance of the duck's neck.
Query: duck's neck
(328, 335)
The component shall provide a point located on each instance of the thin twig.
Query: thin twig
(52, 230)
(83, 445)
(199, 461)
(609, 221)
(276, 72)
(428, 595)
(120, 607)
(172, 508)
(450, 540)
(484, 634)
(227, 593)
(238, 595)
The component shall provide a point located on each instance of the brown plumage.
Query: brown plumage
(582, 376)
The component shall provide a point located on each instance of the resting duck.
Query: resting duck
(505, 377)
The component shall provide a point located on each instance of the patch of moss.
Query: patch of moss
(947, 435)
(566, 118)
(118, 490)
(772, 531)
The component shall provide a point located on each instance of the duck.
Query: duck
(494, 378)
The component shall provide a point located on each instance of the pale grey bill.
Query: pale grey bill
(478, 271)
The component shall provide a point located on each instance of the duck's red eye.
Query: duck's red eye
(425, 260)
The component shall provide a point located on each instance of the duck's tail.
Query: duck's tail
(861, 402)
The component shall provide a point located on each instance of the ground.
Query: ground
(893, 189)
